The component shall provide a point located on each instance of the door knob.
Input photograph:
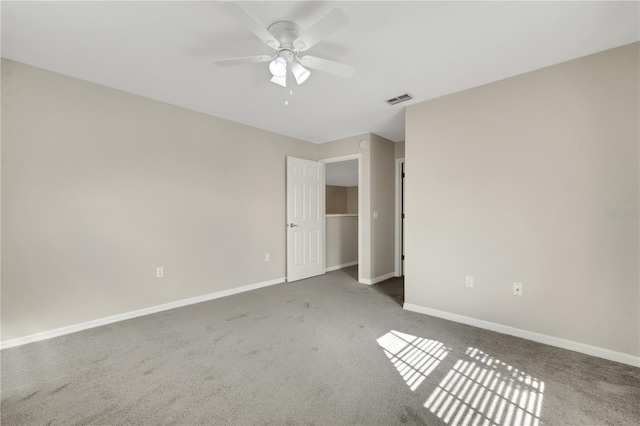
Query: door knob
(291, 225)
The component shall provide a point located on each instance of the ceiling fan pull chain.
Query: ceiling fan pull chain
(288, 92)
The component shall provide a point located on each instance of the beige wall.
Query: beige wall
(341, 199)
(100, 187)
(341, 240)
(336, 199)
(398, 149)
(512, 181)
(352, 199)
(382, 202)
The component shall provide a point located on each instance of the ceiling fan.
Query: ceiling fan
(289, 40)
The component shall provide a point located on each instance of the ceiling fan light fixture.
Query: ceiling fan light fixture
(282, 81)
(300, 73)
(288, 39)
(278, 67)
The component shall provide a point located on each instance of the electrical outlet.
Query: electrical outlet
(160, 272)
(375, 215)
(267, 257)
(517, 289)
(468, 281)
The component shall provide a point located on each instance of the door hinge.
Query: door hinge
(403, 215)
(403, 257)
(402, 175)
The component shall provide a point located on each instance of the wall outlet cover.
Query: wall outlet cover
(468, 280)
(517, 289)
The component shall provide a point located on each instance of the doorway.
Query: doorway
(343, 224)
(400, 227)
(394, 287)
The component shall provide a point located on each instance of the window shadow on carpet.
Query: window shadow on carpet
(478, 389)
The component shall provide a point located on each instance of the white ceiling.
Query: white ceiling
(343, 173)
(163, 50)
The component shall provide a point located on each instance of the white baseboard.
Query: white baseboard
(133, 314)
(376, 280)
(344, 265)
(530, 335)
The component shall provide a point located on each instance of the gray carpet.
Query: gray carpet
(324, 351)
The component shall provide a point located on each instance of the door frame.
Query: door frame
(360, 209)
(399, 161)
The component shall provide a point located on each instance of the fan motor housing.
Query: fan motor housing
(286, 33)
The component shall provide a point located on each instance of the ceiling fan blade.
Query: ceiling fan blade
(238, 12)
(325, 65)
(326, 26)
(243, 60)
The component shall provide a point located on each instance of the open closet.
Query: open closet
(341, 227)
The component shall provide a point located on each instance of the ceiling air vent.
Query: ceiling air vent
(398, 99)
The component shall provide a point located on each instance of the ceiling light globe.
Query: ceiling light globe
(300, 73)
(282, 81)
(278, 67)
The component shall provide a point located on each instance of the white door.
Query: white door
(305, 218)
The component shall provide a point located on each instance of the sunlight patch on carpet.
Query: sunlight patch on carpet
(414, 357)
(482, 390)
